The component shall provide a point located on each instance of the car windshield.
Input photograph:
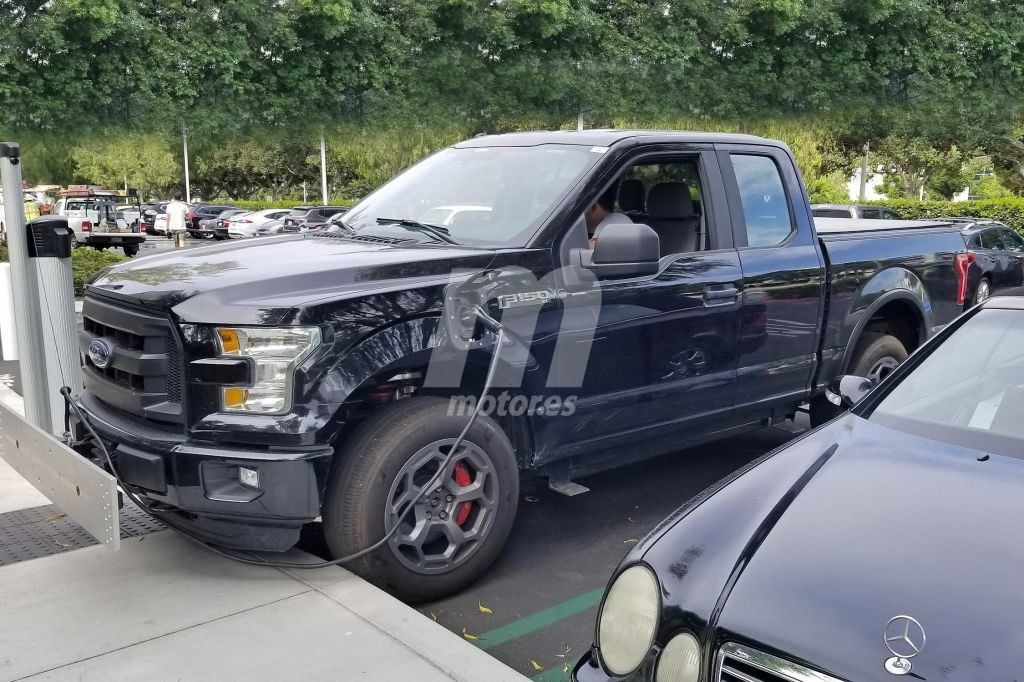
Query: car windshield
(511, 189)
(969, 391)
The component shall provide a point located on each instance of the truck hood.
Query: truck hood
(259, 281)
(891, 525)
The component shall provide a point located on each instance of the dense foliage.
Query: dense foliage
(85, 262)
(100, 90)
(1009, 210)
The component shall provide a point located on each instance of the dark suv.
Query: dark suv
(996, 256)
(313, 219)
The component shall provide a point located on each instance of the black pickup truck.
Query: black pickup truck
(661, 289)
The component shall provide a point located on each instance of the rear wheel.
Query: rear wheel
(876, 356)
(984, 291)
(448, 537)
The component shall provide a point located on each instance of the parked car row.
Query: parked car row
(223, 221)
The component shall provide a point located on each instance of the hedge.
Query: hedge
(1008, 210)
(85, 262)
(260, 205)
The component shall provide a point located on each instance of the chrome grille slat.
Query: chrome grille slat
(738, 663)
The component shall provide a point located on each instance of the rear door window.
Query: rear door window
(1013, 241)
(990, 240)
(763, 197)
(870, 214)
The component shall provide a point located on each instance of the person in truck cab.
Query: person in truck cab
(603, 213)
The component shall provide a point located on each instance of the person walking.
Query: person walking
(176, 213)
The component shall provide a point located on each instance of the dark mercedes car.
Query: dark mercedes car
(884, 543)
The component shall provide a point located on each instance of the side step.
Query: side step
(567, 487)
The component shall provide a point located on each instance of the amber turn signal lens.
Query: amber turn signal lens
(235, 397)
(229, 341)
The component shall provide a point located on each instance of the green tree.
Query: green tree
(142, 161)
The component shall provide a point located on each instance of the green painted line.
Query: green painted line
(539, 620)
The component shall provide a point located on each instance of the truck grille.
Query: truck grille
(737, 663)
(143, 376)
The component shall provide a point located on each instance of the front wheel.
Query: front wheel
(446, 538)
(876, 356)
(131, 250)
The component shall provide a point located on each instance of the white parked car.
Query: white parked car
(456, 215)
(246, 225)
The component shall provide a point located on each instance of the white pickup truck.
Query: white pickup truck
(102, 218)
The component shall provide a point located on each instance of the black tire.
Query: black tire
(131, 250)
(876, 352)
(362, 491)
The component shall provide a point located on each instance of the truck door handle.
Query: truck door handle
(725, 294)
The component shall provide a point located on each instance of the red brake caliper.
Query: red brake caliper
(462, 479)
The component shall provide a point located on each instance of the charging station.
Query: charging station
(42, 301)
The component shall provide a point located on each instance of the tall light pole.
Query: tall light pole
(323, 167)
(184, 144)
(864, 172)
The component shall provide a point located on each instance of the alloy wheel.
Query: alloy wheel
(447, 525)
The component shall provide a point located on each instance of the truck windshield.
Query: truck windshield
(969, 391)
(483, 196)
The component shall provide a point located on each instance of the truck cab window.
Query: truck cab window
(765, 206)
(666, 195)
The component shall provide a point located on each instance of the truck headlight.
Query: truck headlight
(628, 620)
(275, 353)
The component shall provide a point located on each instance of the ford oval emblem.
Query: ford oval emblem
(99, 353)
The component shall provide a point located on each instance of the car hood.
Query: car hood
(260, 281)
(891, 525)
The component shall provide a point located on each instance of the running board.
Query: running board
(567, 487)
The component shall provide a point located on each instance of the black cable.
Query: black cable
(187, 533)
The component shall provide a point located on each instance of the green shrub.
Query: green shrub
(256, 205)
(86, 262)
(1008, 210)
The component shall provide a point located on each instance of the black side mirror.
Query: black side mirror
(623, 250)
(847, 390)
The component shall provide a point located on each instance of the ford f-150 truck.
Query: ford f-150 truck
(660, 290)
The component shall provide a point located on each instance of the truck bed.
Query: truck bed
(826, 226)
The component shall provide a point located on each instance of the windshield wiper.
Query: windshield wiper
(435, 231)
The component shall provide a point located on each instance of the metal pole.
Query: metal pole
(323, 167)
(864, 172)
(304, 199)
(25, 283)
(579, 121)
(184, 143)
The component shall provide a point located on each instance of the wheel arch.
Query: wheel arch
(400, 358)
(903, 313)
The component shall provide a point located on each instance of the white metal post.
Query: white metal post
(25, 284)
(184, 143)
(864, 173)
(323, 167)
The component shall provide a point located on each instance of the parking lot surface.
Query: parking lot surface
(535, 609)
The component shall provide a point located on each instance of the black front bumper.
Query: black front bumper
(199, 481)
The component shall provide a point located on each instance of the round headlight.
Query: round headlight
(679, 660)
(625, 629)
